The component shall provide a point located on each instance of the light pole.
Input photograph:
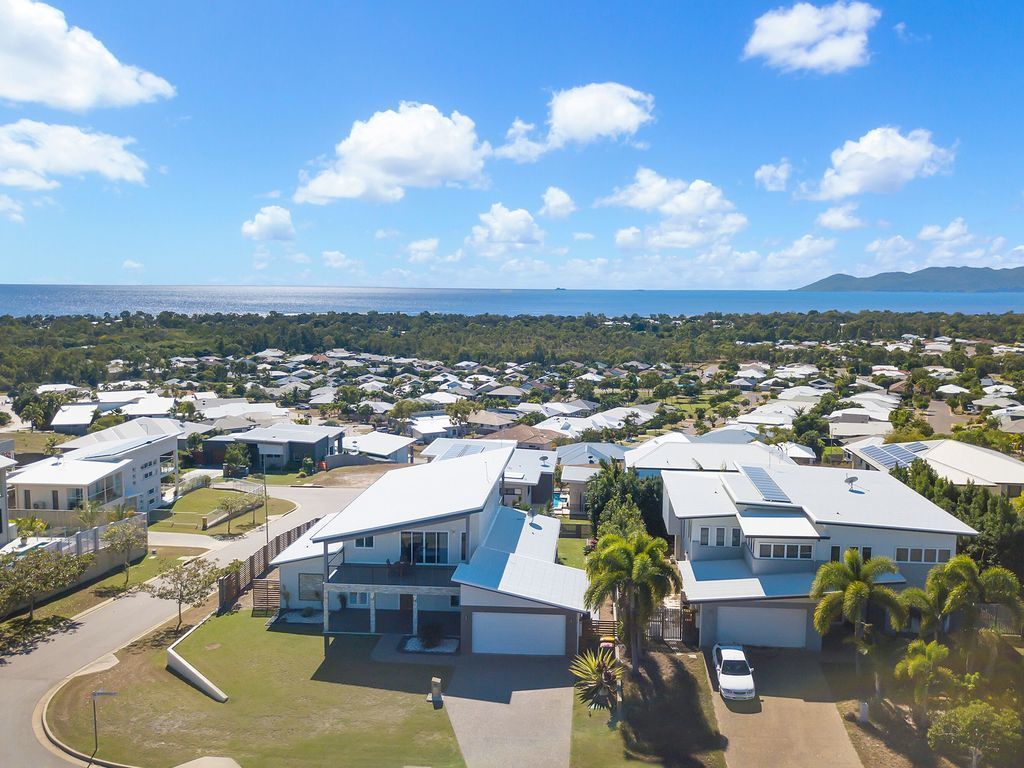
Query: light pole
(95, 728)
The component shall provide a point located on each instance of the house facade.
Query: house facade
(434, 543)
(748, 543)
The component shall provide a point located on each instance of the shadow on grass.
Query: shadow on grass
(157, 641)
(888, 723)
(20, 636)
(662, 716)
(348, 663)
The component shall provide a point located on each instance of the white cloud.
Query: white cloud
(271, 222)
(11, 209)
(579, 116)
(298, 258)
(525, 265)
(385, 234)
(261, 258)
(773, 178)
(417, 146)
(804, 37)
(840, 217)
(629, 237)
(941, 246)
(132, 265)
(580, 236)
(557, 203)
(44, 60)
(423, 250)
(338, 260)
(31, 153)
(502, 230)
(882, 160)
(692, 213)
(804, 253)
(890, 252)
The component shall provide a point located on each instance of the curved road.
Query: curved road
(25, 679)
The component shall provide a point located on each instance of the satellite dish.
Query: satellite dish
(850, 480)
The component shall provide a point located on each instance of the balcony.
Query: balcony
(393, 575)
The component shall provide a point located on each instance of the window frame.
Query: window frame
(361, 542)
(305, 591)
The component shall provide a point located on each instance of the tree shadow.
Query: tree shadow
(662, 716)
(20, 636)
(348, 662)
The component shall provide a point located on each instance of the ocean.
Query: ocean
(21, 300)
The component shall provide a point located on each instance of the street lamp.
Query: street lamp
(95, 728)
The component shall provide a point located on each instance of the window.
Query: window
(865, 553)
(454, 601)
(805, 551)
(719, 537)
(55, 499)
(27, 497)
(836, 554)
(735, 537)
(357, 598)
(464, 548)
(778, 550)
(365, 542)
(310, 586)
(428, 547)
(792, 551)
(786, 551)
(915, 555)
(705, 532)
(764, 550)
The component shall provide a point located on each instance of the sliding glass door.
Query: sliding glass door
(425, 547)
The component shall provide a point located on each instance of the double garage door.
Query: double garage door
(523, 634)
(772, 627)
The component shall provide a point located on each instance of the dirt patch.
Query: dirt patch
(211, 647)
(354, 477)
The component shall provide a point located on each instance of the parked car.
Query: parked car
(735, 675)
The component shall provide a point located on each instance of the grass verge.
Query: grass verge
(288, 705)
(570, 552)
(186, 515)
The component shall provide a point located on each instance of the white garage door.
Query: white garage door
(530, 634)
(774, 627)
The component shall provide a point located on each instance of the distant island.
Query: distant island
(947, 279)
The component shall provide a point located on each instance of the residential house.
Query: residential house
(285, 445)
(381, 446)
(749, 543)
(528, 437)
(529, 477)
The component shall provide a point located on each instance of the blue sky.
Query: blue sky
(674, 145)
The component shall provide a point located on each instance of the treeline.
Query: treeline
(78, 348)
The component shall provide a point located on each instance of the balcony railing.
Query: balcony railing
(393, 575)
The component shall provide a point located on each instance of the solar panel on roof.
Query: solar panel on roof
(764, 484)
(901, 454)
(915, 447)
(879, 454)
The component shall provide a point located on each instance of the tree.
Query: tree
(37, 573)
(124, 538)
(89, 514)
(228, 505)
(237, 455)
(597, 678)
(922, 665)
(977, 729)
(846, 588)
(402, 411)
(51, 448)
(621, 517)
(636, 572)
(930, 603)
(969, 588)
(186, 584)
(120, 512)
(30, 526)
(460, 411)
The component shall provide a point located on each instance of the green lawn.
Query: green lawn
(570, 552)
(187, 513)
(287, 706)
(667, 718)
(16, 631)
(281, 478)
(32, 442)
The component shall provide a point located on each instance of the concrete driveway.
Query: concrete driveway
(795, 722)
(503, 708)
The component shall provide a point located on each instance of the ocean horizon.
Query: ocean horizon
(59, 299)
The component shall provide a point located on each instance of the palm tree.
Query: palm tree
(846, 588)
(930, 603)
(597, 678)
(89, 513)
(602, 488)
(120, 512)
(637, 574)
(922, 665)
(29, 526)
(970, 588)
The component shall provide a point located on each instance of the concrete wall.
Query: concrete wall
(177, 664)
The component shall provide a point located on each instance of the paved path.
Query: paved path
(796, 723)
(503, 708)
(24, 679)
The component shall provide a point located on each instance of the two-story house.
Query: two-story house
(6, 531)
(433, 542)
(748, 543)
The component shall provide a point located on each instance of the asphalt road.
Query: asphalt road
(25, 679)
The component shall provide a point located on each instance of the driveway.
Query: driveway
(503, 708)
(795, 723)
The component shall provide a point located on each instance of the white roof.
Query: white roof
(517, 559)
(420, 494)
(243, 410)
(289, 433)
(527, 465)
(451, 447)
(696, 494)
(721, 580)
(74, 415)
(131, 429)
(575, 474)
(377, 443)
(634, 454)
(5, 462)
(707, 456)
(61, 472)
(304, 548)
(957, 462)
(149, 406)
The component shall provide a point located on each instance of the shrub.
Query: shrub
(430, 634)
(307, 612)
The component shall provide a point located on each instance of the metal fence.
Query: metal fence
(672, 623)
(232, 585)
(91, 539)
(999, 618)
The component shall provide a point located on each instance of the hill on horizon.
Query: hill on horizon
(937, 279)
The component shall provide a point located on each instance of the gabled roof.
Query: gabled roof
(421, 494)
(377, 443)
